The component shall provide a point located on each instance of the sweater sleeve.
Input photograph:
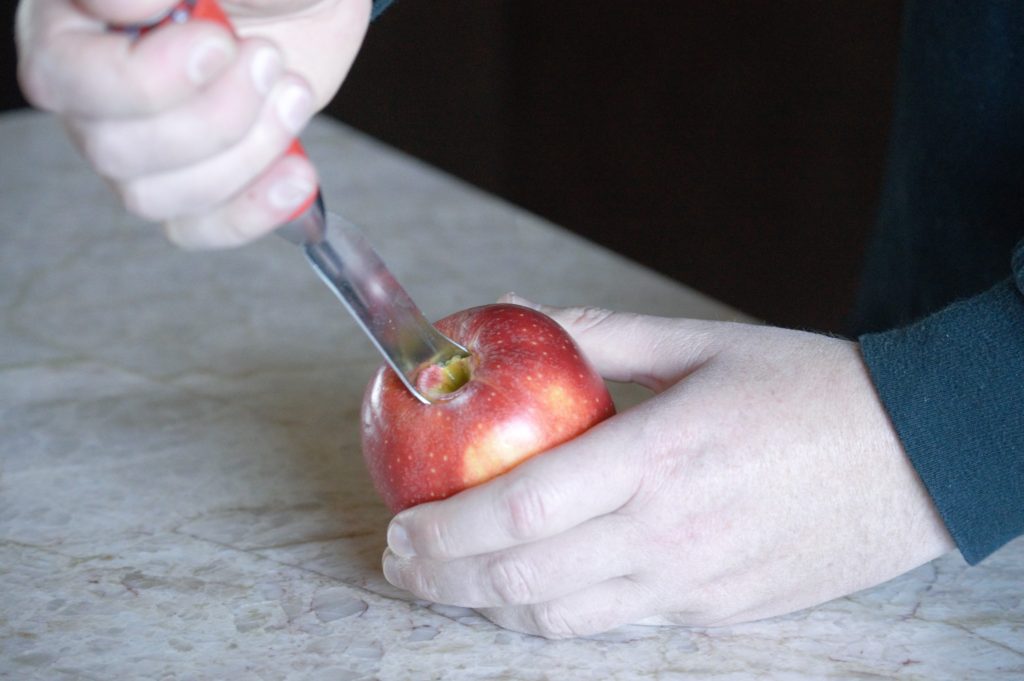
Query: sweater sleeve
(378, 8)
(953, 384)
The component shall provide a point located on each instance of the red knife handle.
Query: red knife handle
(209, 10)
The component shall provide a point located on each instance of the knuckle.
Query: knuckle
(425, 584)
(583, 319)
(512, 580)
(551, 620)
(438, 540)
(692, 344)
(527, 508)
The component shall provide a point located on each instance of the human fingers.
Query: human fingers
(589, 476)
(593, 552)
(652, 351)
(201, 187)
(126, 11)
(70, 62)
(267, 202)
(216, 119)
(592, 610)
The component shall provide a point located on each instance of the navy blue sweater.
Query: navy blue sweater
(943, 291)
(378, 7)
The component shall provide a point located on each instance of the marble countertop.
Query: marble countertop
(181, 490)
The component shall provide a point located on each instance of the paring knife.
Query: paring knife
(344, 259)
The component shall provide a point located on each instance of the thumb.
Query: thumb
(654, 352)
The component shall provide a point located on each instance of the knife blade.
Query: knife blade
(344, 258)
(346, 262)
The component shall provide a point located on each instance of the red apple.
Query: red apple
(524, 388)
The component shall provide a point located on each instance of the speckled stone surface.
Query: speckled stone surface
(181, 490)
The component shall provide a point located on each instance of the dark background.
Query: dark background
(735, 146)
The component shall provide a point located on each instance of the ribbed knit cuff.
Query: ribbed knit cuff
(953, 385)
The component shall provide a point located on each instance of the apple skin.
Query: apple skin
(529, 388)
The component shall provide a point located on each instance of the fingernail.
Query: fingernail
(207, 60)
(294, 107)
(398, 541)
(265, 69)
(289, 192)
(389, 569)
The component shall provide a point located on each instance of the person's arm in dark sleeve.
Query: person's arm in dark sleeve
(378, 7)
(953, 384)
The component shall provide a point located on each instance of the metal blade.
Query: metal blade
(347, 263)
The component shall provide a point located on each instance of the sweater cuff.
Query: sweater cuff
(953, 385)
(378, 8)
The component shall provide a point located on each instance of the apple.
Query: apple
(524, 388)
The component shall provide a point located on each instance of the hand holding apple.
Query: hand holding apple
(764, 477)
(524, 388)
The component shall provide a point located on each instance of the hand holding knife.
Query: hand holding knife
(345, 260)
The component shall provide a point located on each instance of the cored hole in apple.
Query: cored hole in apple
(438, 381)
